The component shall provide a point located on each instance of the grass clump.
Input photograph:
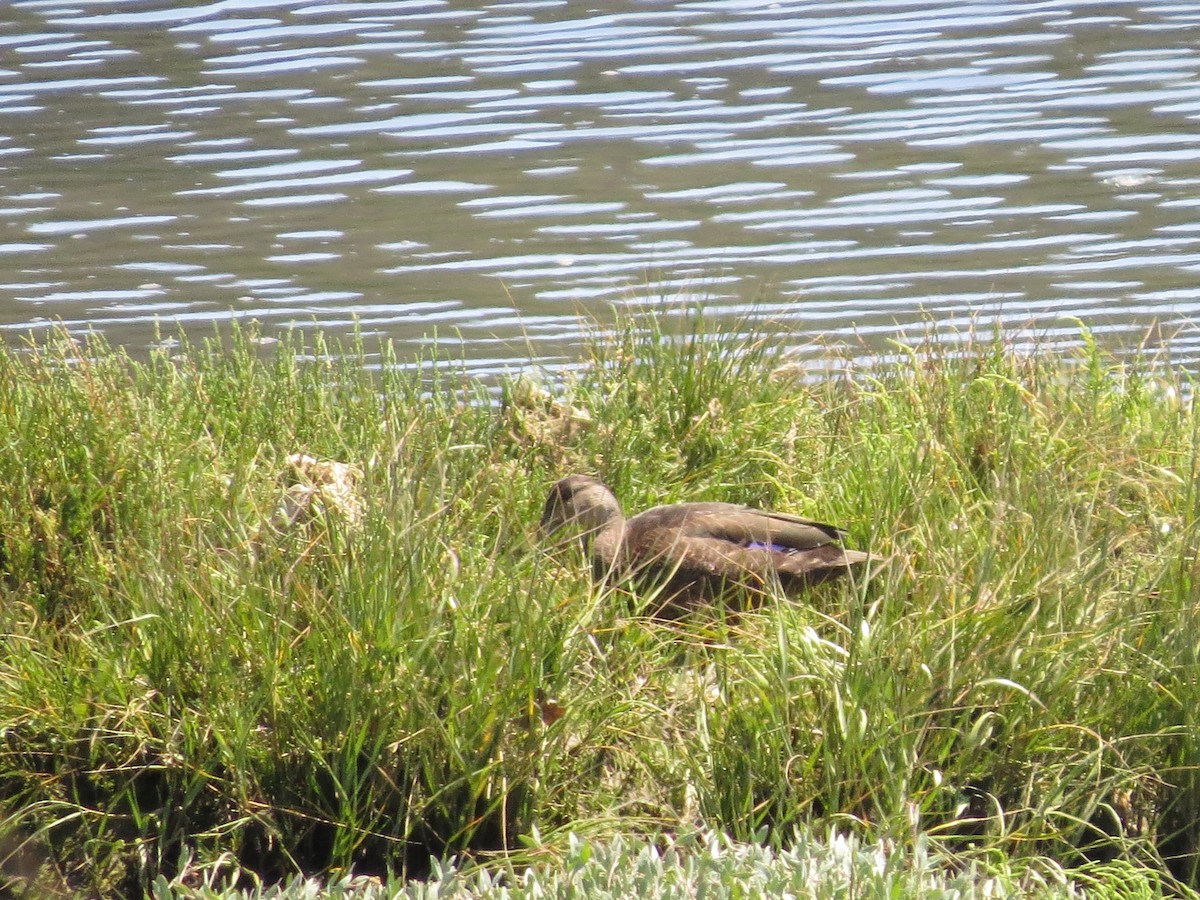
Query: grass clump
(193, 689)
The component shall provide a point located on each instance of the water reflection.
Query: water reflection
(445, 172)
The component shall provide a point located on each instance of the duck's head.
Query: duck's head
(582, 504)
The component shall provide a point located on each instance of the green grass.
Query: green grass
(188, 692)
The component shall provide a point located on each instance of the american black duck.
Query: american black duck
(696, 552)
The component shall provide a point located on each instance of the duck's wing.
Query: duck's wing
(754, 528)
(735, 543)
(720, 531)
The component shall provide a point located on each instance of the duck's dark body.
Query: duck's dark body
(696, 551)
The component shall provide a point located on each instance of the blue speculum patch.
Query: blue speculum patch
(760, 545)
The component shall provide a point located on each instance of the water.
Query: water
(478, 175)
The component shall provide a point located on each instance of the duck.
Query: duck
(697, 553)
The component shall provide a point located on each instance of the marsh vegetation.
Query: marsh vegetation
(197, 688)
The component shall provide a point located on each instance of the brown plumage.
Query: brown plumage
(696, 551)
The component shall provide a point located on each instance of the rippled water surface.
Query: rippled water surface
(443, 171)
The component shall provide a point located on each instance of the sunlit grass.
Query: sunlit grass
(706, 865)
(187, 688)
